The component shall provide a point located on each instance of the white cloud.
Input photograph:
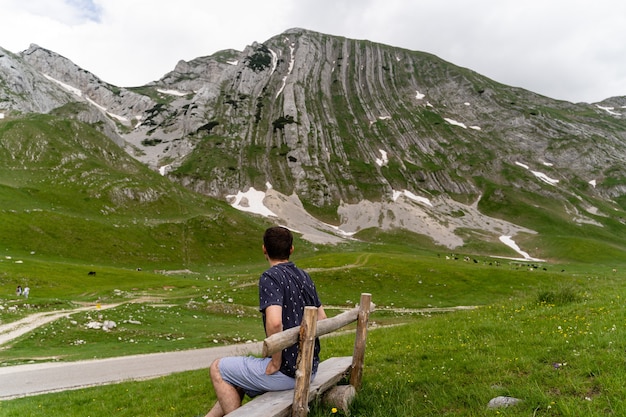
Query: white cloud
(68, 12)
(565, 50)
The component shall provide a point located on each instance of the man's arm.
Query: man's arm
(321, 314)
(274, 324)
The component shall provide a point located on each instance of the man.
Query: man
(284, 291)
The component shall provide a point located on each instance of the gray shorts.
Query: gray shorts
(248, 373)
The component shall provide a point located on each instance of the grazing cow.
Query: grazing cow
(91, 273)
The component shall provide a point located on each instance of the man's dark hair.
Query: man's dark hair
(278, 241)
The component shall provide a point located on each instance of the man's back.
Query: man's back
(287, 286)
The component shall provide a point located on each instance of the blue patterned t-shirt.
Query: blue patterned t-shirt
(291, 288)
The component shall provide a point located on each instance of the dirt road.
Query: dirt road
(25, 380)
(33, 379)
(15, 329)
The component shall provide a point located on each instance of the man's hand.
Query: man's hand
(274, 365)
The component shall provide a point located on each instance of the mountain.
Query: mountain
(338, 137)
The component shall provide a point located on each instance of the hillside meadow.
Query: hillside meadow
(549, 334)
(176, 270)
(82, 223)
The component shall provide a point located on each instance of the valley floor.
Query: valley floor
(39, 378)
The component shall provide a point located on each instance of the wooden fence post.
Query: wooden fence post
(358, 357)
(308, 328)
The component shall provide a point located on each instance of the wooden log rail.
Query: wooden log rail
(286, 338)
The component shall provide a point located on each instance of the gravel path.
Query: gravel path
(34, 379)
(17, 328)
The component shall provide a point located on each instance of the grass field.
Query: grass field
(179, 271)
(553, 338)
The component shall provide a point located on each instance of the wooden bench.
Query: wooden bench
(331, 371)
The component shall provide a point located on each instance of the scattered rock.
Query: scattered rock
(94, 325)
(108, 325)
(501, 402)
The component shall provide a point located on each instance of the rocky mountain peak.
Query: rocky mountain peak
(379, 136)
(24, 90)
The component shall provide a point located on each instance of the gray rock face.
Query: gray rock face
(25, 90)
(334, 119)
(114, 100)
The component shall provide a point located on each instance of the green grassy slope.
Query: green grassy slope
(66, 191)
(530, 318)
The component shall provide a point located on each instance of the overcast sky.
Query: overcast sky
(572, 50)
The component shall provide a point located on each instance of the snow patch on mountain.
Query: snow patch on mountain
(408, 194)
(383, 160)
(65, 86)
(507, 240)
(172, 92)
(461, 124)
(289, 70)
(274, 61)
(609, 110)
(251, 201)
(455, 123)
(540, 175)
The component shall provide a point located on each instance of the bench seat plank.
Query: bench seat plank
(279, 403)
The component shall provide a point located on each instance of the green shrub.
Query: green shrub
(561, 296)
(151, 142)
(282, 121)
(260, 60)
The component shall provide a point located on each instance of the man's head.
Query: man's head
(278, 243)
